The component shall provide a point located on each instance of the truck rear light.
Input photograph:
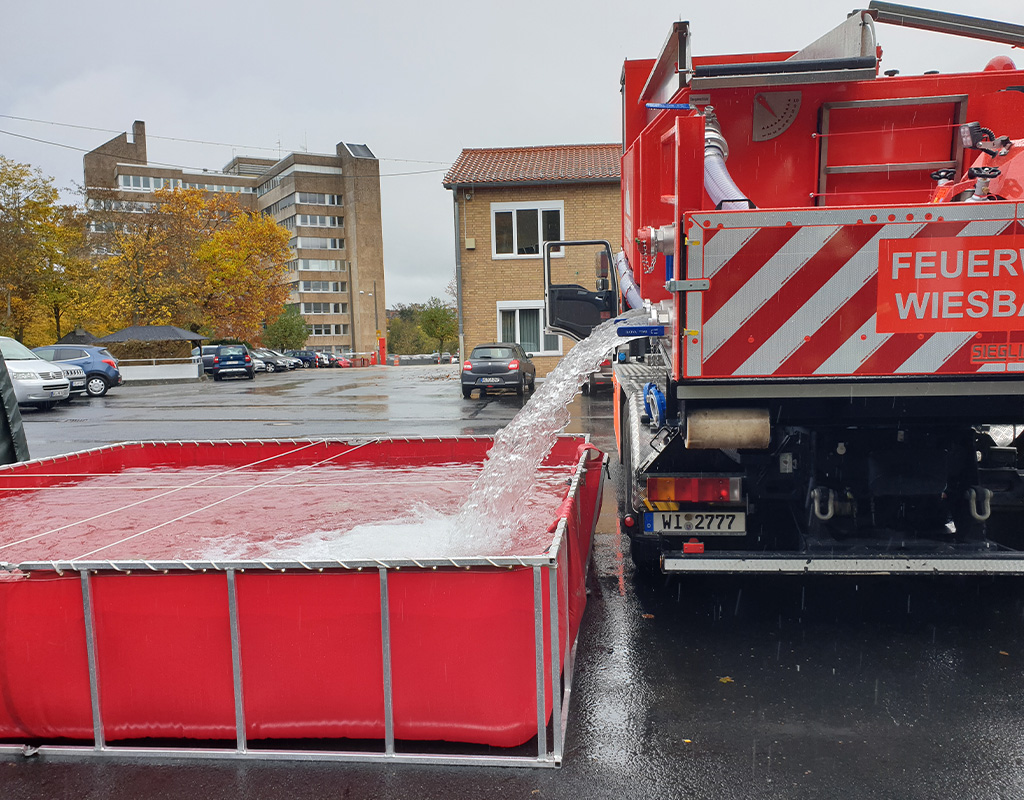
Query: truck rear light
(467, 366)
(513, 364)
(693, 546)
(695, 490)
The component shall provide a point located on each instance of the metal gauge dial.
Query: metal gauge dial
(773, 113)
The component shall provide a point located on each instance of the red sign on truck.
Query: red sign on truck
(951, 284)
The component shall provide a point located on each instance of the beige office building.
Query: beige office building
(329, 203)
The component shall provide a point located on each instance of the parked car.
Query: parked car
(322, 359)
(209, 351)
(273, 362)
(601, 378)
(259, 365)
(98, 364)
(233, 359)
(501, 365)
(76, 377)
(341, 361)
(36, 381)
(292, 361)
(307, 357)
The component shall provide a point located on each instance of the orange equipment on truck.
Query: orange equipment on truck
(834, 259)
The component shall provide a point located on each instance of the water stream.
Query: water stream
(499, 516)
(512, 499)
(494, 507)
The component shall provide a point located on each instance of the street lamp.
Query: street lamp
(376, 315)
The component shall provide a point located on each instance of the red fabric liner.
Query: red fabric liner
(463, 663)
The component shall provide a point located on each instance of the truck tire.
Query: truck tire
(645, 554)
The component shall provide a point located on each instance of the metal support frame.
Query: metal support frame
(90, 649)
(549, 752)
(944, 22)
(236, 661)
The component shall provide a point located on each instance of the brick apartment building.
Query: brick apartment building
(507, 201)
(329, 202)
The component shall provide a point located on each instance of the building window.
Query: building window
(319, 221)
(518, 229)
(328, 330)
(321, 286)
(313, 199)
(285, 202)
(319, 265)
(522, 321)
(316, 243)
(146, 183)
(325, 308)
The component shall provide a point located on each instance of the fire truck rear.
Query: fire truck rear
(834, 255)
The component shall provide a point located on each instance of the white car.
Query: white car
(36, 382)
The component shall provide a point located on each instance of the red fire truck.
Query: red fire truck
(833, 255)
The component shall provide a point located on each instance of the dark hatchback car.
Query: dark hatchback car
(99, 366)
(233, 359)
(308, 357)
(501, 365)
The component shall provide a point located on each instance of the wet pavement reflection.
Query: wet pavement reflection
(703, 687)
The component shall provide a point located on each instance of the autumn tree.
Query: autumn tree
(192, 259)
(28, 216)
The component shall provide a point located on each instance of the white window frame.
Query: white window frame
(517, 305)
(534, 205)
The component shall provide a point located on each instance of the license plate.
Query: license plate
(58, 393)
(77, 384)
(490, 380)
(708, 523)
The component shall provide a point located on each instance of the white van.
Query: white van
(36, 382)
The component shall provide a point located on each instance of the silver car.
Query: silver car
(76, 376)
(36, 382)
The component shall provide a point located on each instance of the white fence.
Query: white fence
(161, 369)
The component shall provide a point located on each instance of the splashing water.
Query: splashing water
(494, 506)
(509, 504)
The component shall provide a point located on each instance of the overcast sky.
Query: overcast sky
(415, 81)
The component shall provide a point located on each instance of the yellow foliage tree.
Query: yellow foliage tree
(195, 260)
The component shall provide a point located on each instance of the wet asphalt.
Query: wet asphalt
(688, 687)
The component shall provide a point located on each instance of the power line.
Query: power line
(186, 141)
(203, 171)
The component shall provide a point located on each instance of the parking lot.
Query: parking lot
(874, 687)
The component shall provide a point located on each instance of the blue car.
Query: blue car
(99, 366)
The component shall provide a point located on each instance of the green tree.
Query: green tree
(405, 336)
(287, 332)
(439, 322)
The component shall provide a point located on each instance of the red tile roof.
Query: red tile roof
(567, 163)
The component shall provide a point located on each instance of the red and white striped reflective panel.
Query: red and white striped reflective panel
(865, 299)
